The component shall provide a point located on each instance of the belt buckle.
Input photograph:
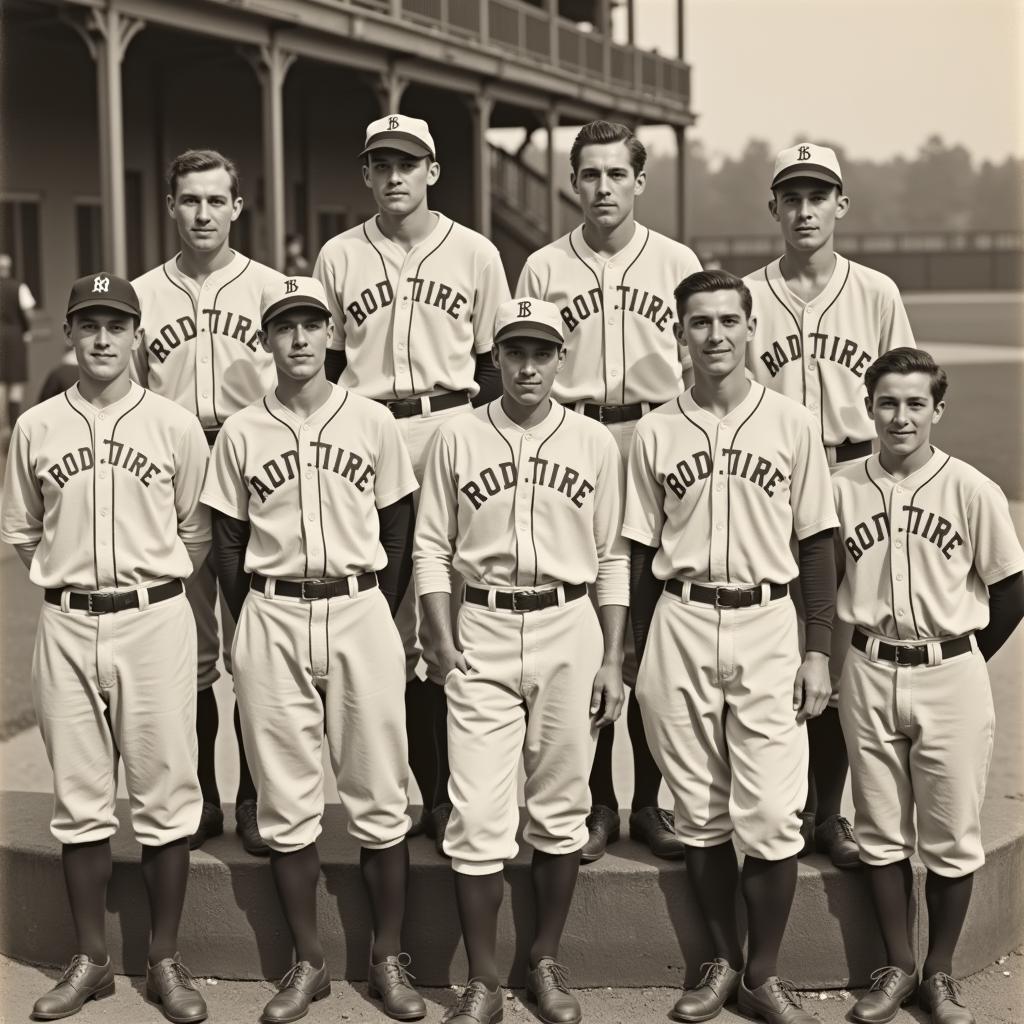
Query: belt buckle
(103, 603)
(601, 413)
(305, 596)
(90, 608)
(719, 603)
(526, 594)
(904, 650)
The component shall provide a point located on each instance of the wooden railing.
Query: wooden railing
(519, 187)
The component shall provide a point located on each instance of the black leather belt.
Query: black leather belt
(103, 602)
(852, 450)
(400, 408)
(727, 597)
(614, 413)
(910, 654)
(524, 600)
(314, 590)
(211, 435)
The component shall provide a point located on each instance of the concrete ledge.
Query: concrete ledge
(634, 921)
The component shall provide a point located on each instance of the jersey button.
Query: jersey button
(204, 359)
(719, 527)
(206, 394)
(899, 612)
(614, 373)
(309, 474)
(899, 543)
(311, 516)
(899, 577)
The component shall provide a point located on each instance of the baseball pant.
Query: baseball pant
(119, 684)
(527, 692)
(716, 689)
(201, 590)
(306, 669)
(919, 737)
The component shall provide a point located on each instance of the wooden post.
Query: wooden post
(551, 120)
(481, 107)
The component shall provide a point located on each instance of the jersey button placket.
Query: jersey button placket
(104, 504)
(311, 505)
(812, 381)
(204, 365)
(900, 565)
(527, 566)
(719, 505)
(615, 382)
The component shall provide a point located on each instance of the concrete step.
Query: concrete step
(634, 921)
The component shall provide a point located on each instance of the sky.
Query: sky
(877, 76)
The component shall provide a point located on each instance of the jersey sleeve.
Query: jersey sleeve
(190, 462)
(437, 521)
(997, 551)
(810, 488)
(225, 488)
(612, 547)
(325, 270)
(529, 285)
(491, 292)
(22, 521)
(645, 509)
(896, 331)
(393, 476)
(138, 367)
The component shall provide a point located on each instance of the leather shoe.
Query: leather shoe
(834, 836)
(211, 823)
(477, 1004)
(774, 1002)
(547, 985)
(420, 826)
(82, 980)
(806, 833)
(940, 996)
(718, 987)
(656, 829)
(246, 827)
(392, 984)
(603, 825)
(438, 825)
(170, 985)
(890, 989)
(302, 985)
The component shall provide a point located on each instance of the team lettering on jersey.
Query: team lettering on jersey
(120, 456)
(640, 303)
(841, 351)
(559, 477)
(423, 290)
(930, 526)
(747, 465)
(328, 458)
(230, 325)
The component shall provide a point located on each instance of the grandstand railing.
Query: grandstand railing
(525, 190)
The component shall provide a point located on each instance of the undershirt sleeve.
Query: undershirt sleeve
(818, 586)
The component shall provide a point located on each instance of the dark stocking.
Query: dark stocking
(768, 889)
(419, 712)
(479, 899)
(246, 787)
(207, 720)
(891, 886)
(948, 900)
(165, 872)
(296, 876)
(602, 786)
(646, 774)
(714, 877)
(554, 881)
(87, 868)
(828, 765)
(440, 744)
(386, 875)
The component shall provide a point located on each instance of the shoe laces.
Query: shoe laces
(714, 971)
(787, 991)
(397, 969)
(75, 969)
(949, 987)
(177, 974)
(296, 974)
(884, 979)
(557, 974)
(842, 825)
(470, 1000)
(666, 820)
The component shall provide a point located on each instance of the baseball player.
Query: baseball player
(16, 304)
(720, 480)
(914, 699)
(101, 502)
(200, 348)
(612, 281)
(413, 296)
(821, 320)
(311, 489)
(524, 499)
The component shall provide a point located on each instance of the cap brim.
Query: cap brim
(536, 331)
(293, 302)
(815, 171)
(402, 141)
(104, 303)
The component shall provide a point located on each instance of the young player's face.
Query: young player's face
(528, 368)
(807, 211)
(103, 340)
(606, 184)
(904, 412)
(298, 339)
(203, 210)
(716, 330)
(398, 181)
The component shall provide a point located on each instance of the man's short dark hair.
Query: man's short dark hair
(711, 281)
(600, 133)
(193, 160)
(904, 361)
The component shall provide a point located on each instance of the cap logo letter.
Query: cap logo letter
(291, 285)
(524, 309)
(101, 284)
(803, 153)
(392, 124)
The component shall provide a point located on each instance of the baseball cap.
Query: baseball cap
(292, 293)
(528, 318)
(806, 160)
(104, 290)
(396, 131)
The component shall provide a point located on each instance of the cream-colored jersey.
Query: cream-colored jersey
(310, 489)
(921, 551)
(510, 507)
(201, 346)
(722, 499)
(411, 322)
(618, 315)
(110, 497)
(816, 352)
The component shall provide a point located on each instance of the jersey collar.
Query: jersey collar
(135, 393)
(773, 272)
(225, 273)
(691, 408)
(334, 402)
(878, 473)
(378, 237)
(621, 259)
(546, 426)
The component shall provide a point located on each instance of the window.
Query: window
(19, 237)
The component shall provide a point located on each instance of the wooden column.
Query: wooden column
(681, 182)
(481, 107)
(551, 119)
